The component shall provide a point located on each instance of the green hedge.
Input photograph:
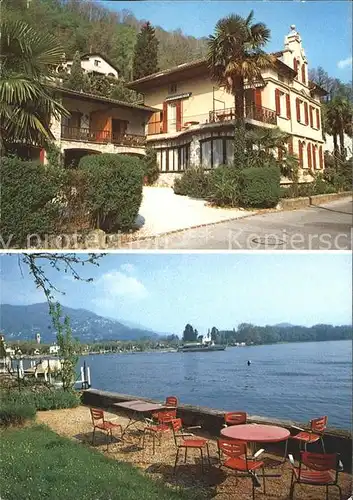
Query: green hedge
(193, 182)
(259, 187)
(16, 412)
(27, 193)
(50, 399)
(114, 192)
(223, 188)
(151, 170)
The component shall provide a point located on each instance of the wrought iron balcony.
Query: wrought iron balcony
(101, 136)
(258, 113)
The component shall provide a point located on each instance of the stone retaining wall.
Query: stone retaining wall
(306, 201)
(211, 420)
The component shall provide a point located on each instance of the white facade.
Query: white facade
(54, 349)
(94, 63)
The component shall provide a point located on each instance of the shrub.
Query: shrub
(259, 187)
(151, 170)
(27, 206)
(224, 186)
(194, 182)
(49, 399)
(16, 413)
(114, 192)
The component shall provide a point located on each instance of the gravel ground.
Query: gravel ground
(162, 211)
(219, 484)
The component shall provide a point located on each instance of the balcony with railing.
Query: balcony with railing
(101, 136)
(251, 111)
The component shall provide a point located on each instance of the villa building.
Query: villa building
(98, 125)
(93, 63)
(194, 121)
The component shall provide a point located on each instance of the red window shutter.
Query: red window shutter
(258, 98)
(278, 102)
(309, 155)
(318, 119)
(300, 154)
(306, 112)
(298, 109)
(290, 145)
(280, 154)
(165, 118)
(303, 74)
(311, 109)
(178, 115)
(288, 106)
(295, 64)
(321, 159)
(314, 149)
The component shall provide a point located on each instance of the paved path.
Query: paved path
(163, 211)
(323, 227)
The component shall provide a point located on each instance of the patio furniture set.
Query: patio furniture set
(236, 446)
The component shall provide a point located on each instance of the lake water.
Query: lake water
(295, 381)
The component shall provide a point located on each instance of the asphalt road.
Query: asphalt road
(323, 227)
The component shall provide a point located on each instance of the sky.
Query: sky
(325, 27)
(165, 291)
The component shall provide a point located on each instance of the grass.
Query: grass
(37, 463)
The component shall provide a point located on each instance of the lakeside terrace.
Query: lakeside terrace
(215, 482)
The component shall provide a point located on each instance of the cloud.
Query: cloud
(116, 285)
(345, 63)
(128, 268)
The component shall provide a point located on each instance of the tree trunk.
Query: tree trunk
(239, 130)
(341, 136)
(335, 148)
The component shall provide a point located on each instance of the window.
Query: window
(282, 101)
(217, 151)
(97, 62)
(173, 88)
(174, 159)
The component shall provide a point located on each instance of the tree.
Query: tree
(26, 100)
(234, 55)
(270, 147)
(145, 61)
(67, 347)
(77, 79)
(214, 334)
(339, 114)
(189, 334)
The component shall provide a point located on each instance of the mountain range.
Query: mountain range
(19, 322)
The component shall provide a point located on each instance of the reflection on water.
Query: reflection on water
(277, 380)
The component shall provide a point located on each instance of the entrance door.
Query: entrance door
(172, 117)
(118, 129)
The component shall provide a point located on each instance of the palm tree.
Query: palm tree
(264, 144)
(338, 117)
(234, 55)
(26, 97)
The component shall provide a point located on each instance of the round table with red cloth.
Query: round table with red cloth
(257, 433)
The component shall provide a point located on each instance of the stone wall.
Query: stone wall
(212, 420)
(101, 148)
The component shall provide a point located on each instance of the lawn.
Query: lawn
(37, 463)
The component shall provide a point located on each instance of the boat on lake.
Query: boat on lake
(200, 347)
(206, 344)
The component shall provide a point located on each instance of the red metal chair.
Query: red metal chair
(171, 401)
(194, 442)
(319, 470)
(238, 460)
(316, 433)
(161, 423)
(100, 423)
(234, 418)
